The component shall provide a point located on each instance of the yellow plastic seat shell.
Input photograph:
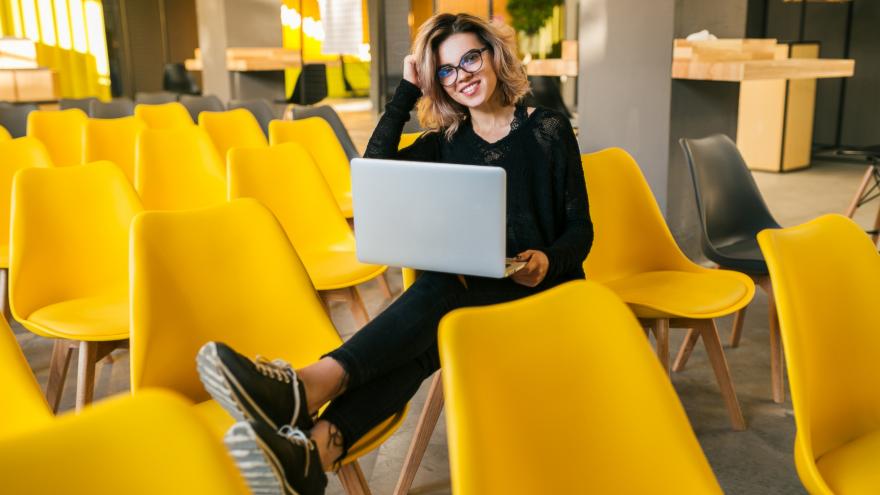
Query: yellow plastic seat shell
(634, 254)
(69, 264)
(625, 430)
(24, 152)
(226, 273)
(62, 132)
(144, 445)
(150, 444)
(178, 169)
(4, 134)
(171, 115)
(114, 140)
(824, 276)
(316, 135)
(232, 129)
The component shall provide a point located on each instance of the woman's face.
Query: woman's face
(461, 50)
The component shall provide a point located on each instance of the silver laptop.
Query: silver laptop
(432, 216)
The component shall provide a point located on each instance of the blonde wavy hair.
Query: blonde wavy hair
(437, 110)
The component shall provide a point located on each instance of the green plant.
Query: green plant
(529, 16)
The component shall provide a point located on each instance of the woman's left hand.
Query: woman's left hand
(535, 270)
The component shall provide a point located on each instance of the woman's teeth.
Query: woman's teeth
(470, 89)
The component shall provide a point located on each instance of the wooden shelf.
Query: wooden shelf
(758, 70)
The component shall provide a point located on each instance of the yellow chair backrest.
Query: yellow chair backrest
(232, 129)
(286, 180)
(24, 406)
(17, 154)
(316, 135)
(62, 131)
(224, 273)
(580, 344)
(114, 140)
(150, 444)
(69, 234)
(164, 116)
(178, 169)
(631, 235)
(4, 134)
(824, 275)
(407, 139)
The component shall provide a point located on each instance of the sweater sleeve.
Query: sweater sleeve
(568, 253)
(386, 137)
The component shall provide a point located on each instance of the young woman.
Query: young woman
(469, 84)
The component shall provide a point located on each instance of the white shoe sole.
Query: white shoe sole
(257, 464)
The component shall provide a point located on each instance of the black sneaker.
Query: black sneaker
(276, 463)
(262, 390)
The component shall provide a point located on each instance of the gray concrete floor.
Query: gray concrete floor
(756, 461)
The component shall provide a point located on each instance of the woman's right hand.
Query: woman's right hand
(410, 71)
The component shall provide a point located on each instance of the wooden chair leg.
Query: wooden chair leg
(352, 478)
(684, 352)
(736, 333)
(358, 308)
(422, 435)
(661, 333)
(777, 366)
(383, 284)
(709, 332)
(7, 311)
(60, 363)
(85, 376)
(854, 204)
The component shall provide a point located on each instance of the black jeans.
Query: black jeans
(388, 359)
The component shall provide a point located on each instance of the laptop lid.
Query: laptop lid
(430, 216)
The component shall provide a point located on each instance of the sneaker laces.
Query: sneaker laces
(297, 437)
(279, 369)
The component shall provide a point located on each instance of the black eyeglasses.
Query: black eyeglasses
(471, 62)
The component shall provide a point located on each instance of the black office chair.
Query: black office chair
(176, 79)
(81, 103)
(14, 118)
(547, 93)
(261, 108)
(119, 107)
(155, 97)
(198, 104)
(732, 212)
(327, 113)
(311, 85)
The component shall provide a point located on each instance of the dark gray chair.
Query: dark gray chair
(14, 118)
(547, 93)
(119, 107)
(311, 85)
(176, 79)
(198, 104)
(155, 98)
(261, 108)
(732, 212)
(327, 113)
(81, 103)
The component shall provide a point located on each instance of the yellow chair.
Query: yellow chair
(178, 169)
(17, 154)
(408, 138)
(625, 431)
(69, 264)
(24, 407)
(286, 180)
(634, 254)
(226, 273)
(164, 116)
(62, 132)
(824, 275)
(4, 134)
(316, 135)
(114, 140)
(232, 129)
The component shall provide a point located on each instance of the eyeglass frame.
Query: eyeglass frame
(459, 66)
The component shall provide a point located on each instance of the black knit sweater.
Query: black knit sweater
(547, 206)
